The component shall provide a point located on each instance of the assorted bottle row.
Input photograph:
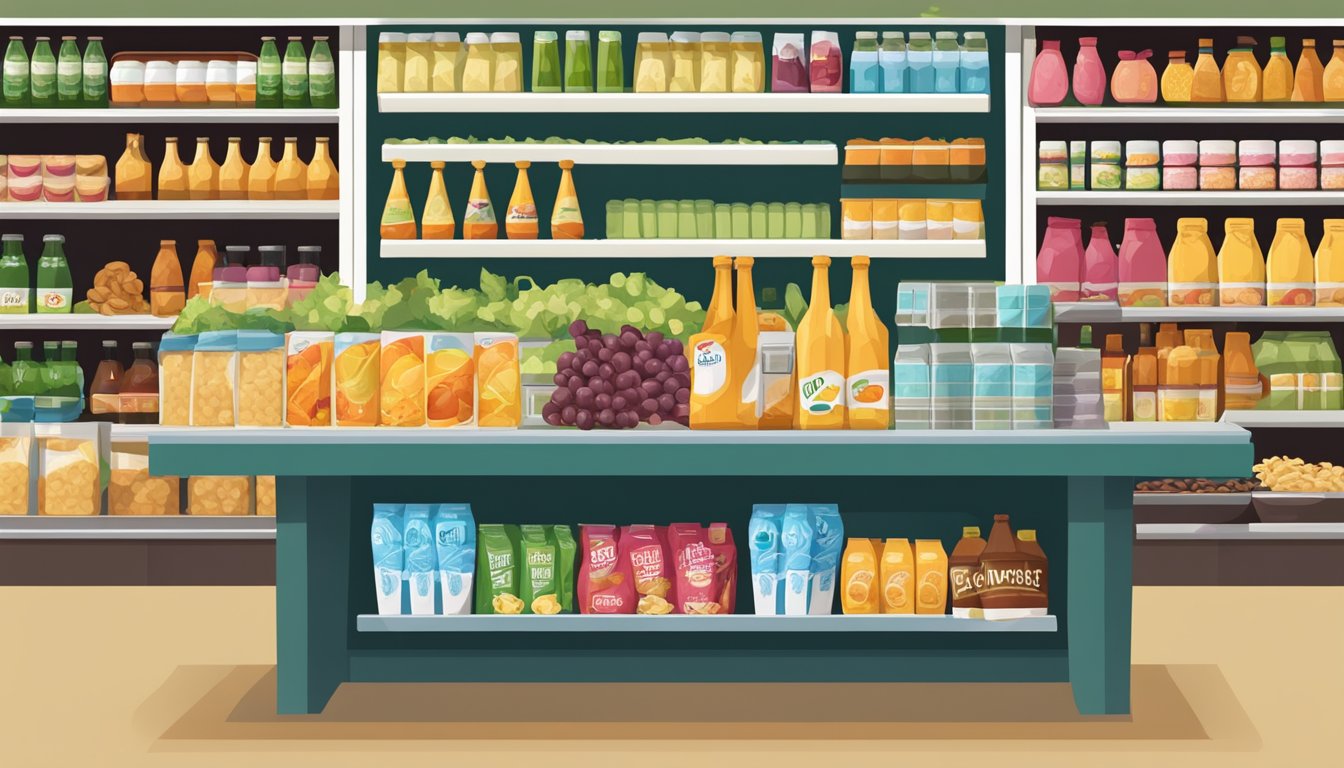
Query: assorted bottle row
(50, 389)
(224, 79)
(920, 160)
(521, 221)
(1240, 79)
(53, 178)
(317, 379)
(1212, 164)
(236, 179)
(892, 219)
(685, 62)
(1238, 274)
(692, 219)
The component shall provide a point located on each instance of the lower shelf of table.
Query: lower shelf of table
(127, 528)
(733, 623)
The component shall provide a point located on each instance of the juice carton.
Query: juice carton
(765, 535)
(1291, 273)
(308, 376)
(538, 587)
(498, 381)
(401, 387)
(645, 547)
(1243, 385)
(1192, 267)
(389, 557)
(1210, 376)
(455, 545)
(606, 584)
(497, 562)
(1114, 365)
(1143, 385)
(778, 382)
(828, 536)
(725, 565)
(697, 584)
(964, 575)
(993, 386)
(421, 564)
(796, 542)
(1330, 265)
(565, 550)
(931, 576)
(1033, 386)
(911, 389)
(357, 373)
(897, 576)
(859, 574)
(1241, 266)
(450, 379)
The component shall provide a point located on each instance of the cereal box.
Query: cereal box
(645, 546)
(605, 581)
(497, 563)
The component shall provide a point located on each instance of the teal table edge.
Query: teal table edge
(325, 479)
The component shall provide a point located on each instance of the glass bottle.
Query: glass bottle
(323, 182)
(1241, 72)
(398, 222)
(1333, 78)
(295, 81)
(268, 75)
(821, 357)
(26, 372)
(261, 174)
(291, 175)
(203, 175)
(16, 296)
(139, 396)
(1049, 83)
(1207, 83)
(567, 219)
(742, 344)
(437, 222)
(304, 273)
(51, 376)
(229, 288)
(233, 173)
(94, 82)
(105, 389)
(17, 83)
(264, 287)
(69, 74)
(1178, 78)
(1308, 80)
(172, 173)
(520, 223)
(202, 269)
(946, 61)
(478, 223)
(167, 295)
(135, 174)
(1089, 74)
(42, 70)
(1278, 74)
(919, 59)
(54, 288)
(321, 76)
(72, 376)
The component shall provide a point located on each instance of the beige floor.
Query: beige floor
(184, 677)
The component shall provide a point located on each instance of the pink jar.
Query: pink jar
(1256, 177)
(1297, 178)
(1180, 153)
(1089, 75)
(1256, 152)
(1297, 152)
(1217, 177)
(1332, 152)
(1059, 263)
(1049, 83)
(1217, 152)
(1180, 177)
(1101, 267)
(1134, 80)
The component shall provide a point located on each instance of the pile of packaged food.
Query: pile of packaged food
(923, 160)
(691, 219)
(53, 178)
(906, 219)
(1182, 164)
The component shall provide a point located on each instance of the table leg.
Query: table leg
(1100, 592)
(312, 549)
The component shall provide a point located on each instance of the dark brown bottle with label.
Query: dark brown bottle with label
(105, 389)
(140, 387)
(1038, 570)
(964, 575)
(1014, 578)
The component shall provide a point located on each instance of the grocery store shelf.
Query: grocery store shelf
(676, 248)
(1295, 419)
(686, 623)
(950, 190)
(116, 527)
(1201, 198)
(1189, 499)
(602, 103)
(1105, 312)
(171, 115)
(1237, 531)
(85, 322)
(1178, 114)
(619, 154)
(175, 209)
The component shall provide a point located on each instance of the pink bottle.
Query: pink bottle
(1059, 264)
(1089, 76)
(1101, 267)
(1143, 266)
(1049, 77)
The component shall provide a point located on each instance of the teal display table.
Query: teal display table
(1073, 487)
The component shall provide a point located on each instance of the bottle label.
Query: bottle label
(268, 68)
(16, 69)
(822, 392)
(100, 404)
(143, 402)
(95, 69)
(44, 68)
(320, 68)
(14, 301)
(711, 368)
(295, 68)
(868, 389)
(397, 212)
(437, 211)
(53, 299)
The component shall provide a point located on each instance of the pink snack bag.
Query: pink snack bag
(644, 548)
(1059, 263)
(697, 591)
(1143, 266)
(605, 581)
(1100, 266)
(725, 564)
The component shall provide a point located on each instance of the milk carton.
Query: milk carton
(765, 536)
(420, 561)
(828, 538)
(796, 542)
(455, 545)
(388, 557)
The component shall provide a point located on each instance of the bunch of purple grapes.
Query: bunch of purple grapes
(615, 381)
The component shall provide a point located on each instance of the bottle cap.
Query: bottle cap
(67, 37)
(24, 345)
(264, 38)
(12, 238)
(138, 345)
(1026, 535)
(1277, 41)
(970, 532)
(99, 38)
(109, 343)
(821, 261)
(53, 238)
(292, 38)
(743, 262)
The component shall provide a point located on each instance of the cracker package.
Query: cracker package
(497, 591)
(605, 581)
(539, 587)
(645, 548)
(697, 588)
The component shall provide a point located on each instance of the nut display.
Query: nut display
(69, 483)
(135, 492)
(1294, 475)
(1197, 485)
(14, 469)
(118, 291)
(223, 495)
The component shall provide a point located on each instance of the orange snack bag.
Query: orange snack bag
(308, 378)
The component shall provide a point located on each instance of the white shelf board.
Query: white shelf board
(1190, 499)
(159, 528)
(1297, 419)
(619, 154)
(602, 103)
(688, 623)
(85, 322)
(203, 115)
(1237, 531)
(1286, 115)
(672, 249)
(174, 209)
(1106, 312)
(1202, 198)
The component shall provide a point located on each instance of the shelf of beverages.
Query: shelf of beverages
(606, 103)
(679, 248)
(131, 528)
(175, 209)
(692, 623)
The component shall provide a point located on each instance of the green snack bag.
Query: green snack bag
(565, 552)
(723, 221)
(497, 570)
(793, 221)
(538, 583)
(686, 219)
(615, 219)
(774, 221)
(704, 219)
(630, 219)
(810, 221)
(648, 218)
(741, 221)
(667, 218)
(759, 229)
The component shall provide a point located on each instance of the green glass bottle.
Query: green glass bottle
(51, 375)
(95, 74)
(42, 71)
(295, 84)
(322, 75)
(15, 294)
(69, 74)
(17, 87)
(268, 75)
(54, 289)
(26, 372)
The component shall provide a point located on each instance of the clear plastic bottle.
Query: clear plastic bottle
(946, 62)
(891, 57)
(919, 59)
(974, 70)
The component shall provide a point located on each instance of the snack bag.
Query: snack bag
(401, 391)
(697, 588)
(308, 378)
(931, 576)
(450, 379)
(131, 490)
(538, 588)
(645, 547)
(69, 465)
(213, 369)
(606, 584)
(498, 381)
(767, 558)
(389, 558)
(357, 372)
(16, 464)
(796, 542)
(497, 562)
(265, 493)
(420, 561)
(455, 545)
(565, 550)
(897, 576)
(860, 577)
(220, 495)
(725, 565)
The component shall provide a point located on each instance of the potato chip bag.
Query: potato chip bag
(645, 547)
(697, 588)
(725, 565)
(606, 584)
(565, 549)
(497, 565)
(538, 588)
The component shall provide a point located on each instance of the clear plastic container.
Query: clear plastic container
(1141, 153)
(1217, 177)
(1297, 152)
(191, 82)
(1257, 177)
(213, 372)
(131, 490)
(1256, 152)
(222, 495)
(261, 379)
(1180, 153)
(1304, 177)
(161, 82)
(16, 467)
(175, 364)
(1217, 153)
(69, 461)
(1180, 178)
(127, 80)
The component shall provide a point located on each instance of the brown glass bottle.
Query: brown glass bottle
(105, 389)
(964, 575)
(140, 387)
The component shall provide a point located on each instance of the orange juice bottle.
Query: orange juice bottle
(1333, 78)
(868, 359)
(930, 576)
(291, 175)
(1208, 82)
(203, 175)
(478, 223)
(166, 293)
(498, 381)
(821, 357)
(566, 219)
(858, 575)
(172, 173)
(450, 379)
(321, 180)
(743, 376)
(898, 577)
(719, 314)
(261, 176)
(1209, 407)
(401, 390)
(356, 367)
(1114, 362)
(233, 173)
(1243, 386)
(308, 378)
(713, 401)
(1308, 80)
(1278, 75)
(520, 222)
(437, 222)
(398, 221)
(202, 269)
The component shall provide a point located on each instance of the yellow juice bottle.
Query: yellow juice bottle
(203, 175)
(742, 355)
(478, 223)
(1178, 78)
(1290, 270)
(1333, 78)
(172, 173)
(520, 222)
(858, 574)
(1241, 72)
(1330, 265)
(931, 576)
(291, 175)
(566, 218)
(719, 314)
(261, 176)
(1114, 362)
(233, 173)
(1308, 80)
(898, 577)
(868, 371)
(437, 222)
(398, 222)
(1210, 376)
(1278, 75)
(821, 357)
(1207, 85)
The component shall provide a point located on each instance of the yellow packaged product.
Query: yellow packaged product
(401, 391)
(930, 576)
(653, 63)
(508, 69)
(858, 577)
(261, 379)
(229, 495)
(914, 220)
(449, 56)
(213, 373)
(266, 495)
(898, 577)
(685, 76)
(16, 465)
(175, 364)
(856, 219)
(478, 73)
(450, 379)
(308, 378)
(715, 62)
(1178, 392)
(886, 219)
(498, 381)
(357, 379)
(1208, 407)
(131, 490)
(1241, 266)
(70, 458)
(1330, 265)
(968, 220)
(1291, 272)
(748, 56)
(391, 61)
(1192, 266)
(938, 215)
(419, 55)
